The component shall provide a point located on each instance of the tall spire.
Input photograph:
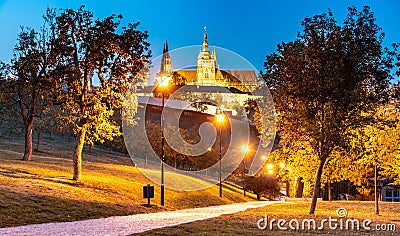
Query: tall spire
(205, 42)
(215, 52)
(165, 67)
(205, 64)
(205, 33)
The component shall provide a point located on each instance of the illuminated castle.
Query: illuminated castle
(207, 73)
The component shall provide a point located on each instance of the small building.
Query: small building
(390, 194)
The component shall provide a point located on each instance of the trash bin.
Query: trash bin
(148, 192)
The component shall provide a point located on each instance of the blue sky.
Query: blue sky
(249, 28)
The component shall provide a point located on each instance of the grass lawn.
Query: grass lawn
(41, 190)
(245, 223)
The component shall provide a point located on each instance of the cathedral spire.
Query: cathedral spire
(205, 64)
(165, 67)
(205, 42)
(205, 33)
(215, 53)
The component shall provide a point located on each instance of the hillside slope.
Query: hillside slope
(41, 190)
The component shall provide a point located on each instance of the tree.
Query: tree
(329, 81)
(87, 48)
(377, 146)
(3, 110)
(398, 61)
(47, 120)
(263, 184)
(28, 77)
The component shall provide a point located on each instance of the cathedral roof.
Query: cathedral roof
(195, 88)
(241, 75)
(211, 89)
(189, 75)
(230, 75)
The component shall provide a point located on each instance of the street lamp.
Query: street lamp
(220, 120)
(376, 189)
(245, 148)
(163, 85)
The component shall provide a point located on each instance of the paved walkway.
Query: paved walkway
(125, 225)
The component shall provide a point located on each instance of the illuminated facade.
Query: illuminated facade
(207, 72)
(206, 65)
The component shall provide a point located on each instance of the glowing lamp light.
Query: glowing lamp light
(263, 158)
(220, 117)
(164, 81)
(245, 148)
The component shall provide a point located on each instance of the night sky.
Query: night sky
(249, 28)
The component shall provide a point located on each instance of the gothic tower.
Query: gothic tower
(166, 67)
(206, 64)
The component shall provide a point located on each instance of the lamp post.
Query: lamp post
(376, 189)
(220, 120)
(245, 148)
(163, 84)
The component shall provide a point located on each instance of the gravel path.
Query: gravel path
(125, 225)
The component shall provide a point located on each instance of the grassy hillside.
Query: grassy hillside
(41, 190)
(245, 223)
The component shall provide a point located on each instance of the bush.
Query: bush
(263, 185)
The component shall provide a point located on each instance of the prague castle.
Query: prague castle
(207, 73)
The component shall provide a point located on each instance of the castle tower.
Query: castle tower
(166, 66)
(165, 72)
(206, 63)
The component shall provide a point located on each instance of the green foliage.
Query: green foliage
(398, 60)
(174, 158)
(26, 80)
(87, 48)
(264, 118)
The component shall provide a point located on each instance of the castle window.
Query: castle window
(206, 75)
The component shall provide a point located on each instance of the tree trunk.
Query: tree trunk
(299, 187)
(80, 141)
(28, 141)
(317, 186)
(329, 191)
(287, 188)
(376, 191)
(38, 140)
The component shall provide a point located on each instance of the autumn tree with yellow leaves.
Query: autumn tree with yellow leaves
(328, 82)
